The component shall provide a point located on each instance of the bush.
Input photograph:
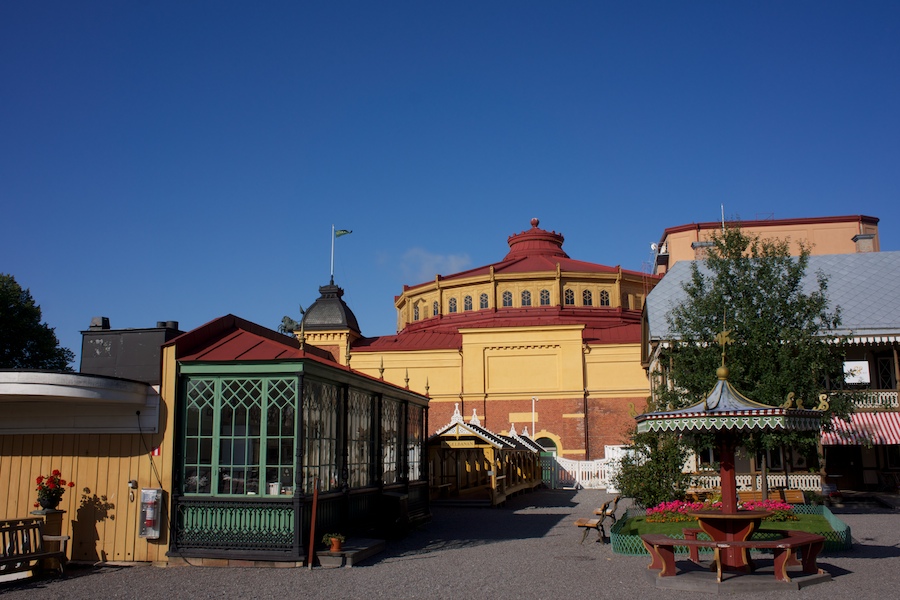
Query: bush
(652, 472)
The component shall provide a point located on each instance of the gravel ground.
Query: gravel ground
(527, 549)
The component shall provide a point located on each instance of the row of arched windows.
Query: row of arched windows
(506, 299)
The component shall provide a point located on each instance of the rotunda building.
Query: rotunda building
(537, 342)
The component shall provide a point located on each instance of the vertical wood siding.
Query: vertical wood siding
(100, 515)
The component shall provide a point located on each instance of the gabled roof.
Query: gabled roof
(458, 427)
(865, 286)
(231, 338)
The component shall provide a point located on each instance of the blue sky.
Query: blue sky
(184, 160)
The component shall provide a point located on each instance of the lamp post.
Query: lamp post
(533, 400)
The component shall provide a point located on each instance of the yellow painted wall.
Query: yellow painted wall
(100, 517)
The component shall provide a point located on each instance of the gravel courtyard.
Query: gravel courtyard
(528, 549)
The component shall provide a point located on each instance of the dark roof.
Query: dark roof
(330, 311)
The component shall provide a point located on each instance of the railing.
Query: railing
(875, 399)
(808, 482)
(567, 473)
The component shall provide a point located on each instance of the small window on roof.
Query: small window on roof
(526, 298)
(416, 312)
(507, 298)
(545, 297)
(435, 309)
(483, 301)
(467, 303)
(569, 298)
(587, 299)
(452, 305)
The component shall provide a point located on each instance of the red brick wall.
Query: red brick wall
(610, 420)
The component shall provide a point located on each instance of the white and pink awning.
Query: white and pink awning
(865, 428)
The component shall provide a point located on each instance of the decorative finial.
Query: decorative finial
(723, 339)
(525, 433)
(427, 387)
(535, 222)
(406, 379)
(457, 416)
(474, 420)
(381, 369)
(512, 430)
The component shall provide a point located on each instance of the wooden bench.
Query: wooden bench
(789, 496)
(662, 552)
(22, 546)
(597, 523)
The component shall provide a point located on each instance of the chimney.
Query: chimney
(99, 323)
(865, 242)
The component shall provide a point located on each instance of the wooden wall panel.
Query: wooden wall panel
(100, 516)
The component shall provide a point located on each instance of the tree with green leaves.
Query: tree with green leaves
(781, 329)
(25, 342)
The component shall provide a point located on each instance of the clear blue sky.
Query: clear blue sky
(185, 160)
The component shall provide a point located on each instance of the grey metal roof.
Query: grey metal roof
(330, 311)
(865, 286)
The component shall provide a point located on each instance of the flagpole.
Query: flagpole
(332, 253)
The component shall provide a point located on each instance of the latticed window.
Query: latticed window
(507, 298)
(229, 448)
(545, 297)
(434, 309)
(526, 298)
(452, 305)
(361, 438)
(604, 298)
(467, 303)
(321, 407)
(390, 440)
(483, 301)
(415, 427)
(569, 298)
(416, 312)
(587, 299)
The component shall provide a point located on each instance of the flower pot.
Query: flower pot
(49, 503)
(335, 545)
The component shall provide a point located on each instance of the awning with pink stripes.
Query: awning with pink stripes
(879, 428)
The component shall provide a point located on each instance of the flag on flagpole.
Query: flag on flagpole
(341, 232)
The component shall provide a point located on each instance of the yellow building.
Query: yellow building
(825, 235)
(537, 340)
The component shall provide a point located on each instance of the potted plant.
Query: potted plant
(335, 540)
(50, 489)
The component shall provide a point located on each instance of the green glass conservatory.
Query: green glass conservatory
(263, 424)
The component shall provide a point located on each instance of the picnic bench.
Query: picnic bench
(606, 511)
(662, 552)
(789, 496)
(22, 546)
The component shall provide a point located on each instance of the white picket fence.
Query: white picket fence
(808, 482)
(565, 473)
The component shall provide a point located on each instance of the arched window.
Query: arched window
(416, 312)
(507, 298)
(545, 298)
(435, 309)
(467, 303)
(526, 298)
(604, 298)
(483, 302)
(587, 299)
(570, 298)
(452, 305)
